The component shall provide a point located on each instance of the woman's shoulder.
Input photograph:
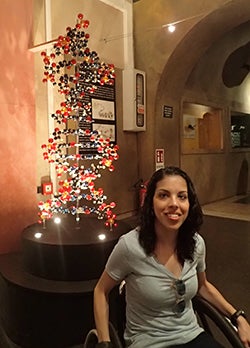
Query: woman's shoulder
(131, 236)
(130, 241)
(198, 238)
(199, 242)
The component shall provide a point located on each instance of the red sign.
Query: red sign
(159, 156)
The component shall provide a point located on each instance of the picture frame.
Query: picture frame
(107, 130)
(103, 109)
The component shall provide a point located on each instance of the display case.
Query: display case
(240, 130)
(202, 129)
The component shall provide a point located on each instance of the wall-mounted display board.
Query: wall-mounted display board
(102, 112)
(240, 130)
(202, 130)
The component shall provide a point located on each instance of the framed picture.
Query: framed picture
(240, 129)
(202, 128)
(189, 126)
(103, 110)
(103, 115)
(107, 130)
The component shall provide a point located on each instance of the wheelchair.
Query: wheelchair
(213, 322)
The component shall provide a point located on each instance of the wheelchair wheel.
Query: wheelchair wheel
(91, 339)
(206, 310)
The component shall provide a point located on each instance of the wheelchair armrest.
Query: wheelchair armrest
(204, 308)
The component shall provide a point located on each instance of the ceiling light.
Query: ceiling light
(171, 28)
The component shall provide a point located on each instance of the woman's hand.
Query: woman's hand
(244, 331)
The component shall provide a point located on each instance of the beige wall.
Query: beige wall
(17, 131)
(187, 67)
(221, 172)
(105, 29)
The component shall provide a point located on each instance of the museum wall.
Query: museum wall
(187, 66)
(154, 48)
(17, 131)
(223, 171)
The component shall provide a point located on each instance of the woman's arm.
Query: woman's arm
(101, 306)
(211, 294)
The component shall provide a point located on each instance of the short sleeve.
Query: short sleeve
(200, 254)
(117, 265)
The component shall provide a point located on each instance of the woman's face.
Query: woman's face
(170, 202)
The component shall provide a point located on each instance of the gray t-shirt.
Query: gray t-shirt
(151, 297)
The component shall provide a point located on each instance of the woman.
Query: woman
(163, 265)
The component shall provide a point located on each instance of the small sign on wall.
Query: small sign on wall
(47, 188)
(167, 111)
(159, 159)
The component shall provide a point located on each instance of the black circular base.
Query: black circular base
(41, 313)
(69, 250)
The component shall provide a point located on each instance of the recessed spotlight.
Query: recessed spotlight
(171, 28)
(57, 220)
(38, 235)
(102, 236)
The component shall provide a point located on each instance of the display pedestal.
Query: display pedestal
(70, 250)
(46, 291)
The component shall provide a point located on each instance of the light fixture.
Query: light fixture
(38, 235)
(171, 28)
(102, 236)
(57, 220)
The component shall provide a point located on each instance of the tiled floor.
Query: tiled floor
(237, 207)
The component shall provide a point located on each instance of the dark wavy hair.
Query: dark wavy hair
(185, 240)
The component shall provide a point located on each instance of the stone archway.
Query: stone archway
(196, 42)
(180, 65)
